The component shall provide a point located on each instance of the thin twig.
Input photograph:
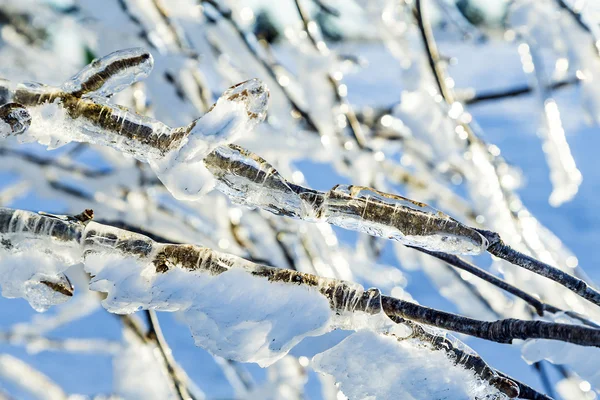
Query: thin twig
(498, 248)
(539, 306)
(483, 96)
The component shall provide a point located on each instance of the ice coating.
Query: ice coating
(231, 311)
(248, 179)
(398, 218)
(34, 252)
(111, 74)
(369, 365)
(237, 112)
(14, 119)
(79, 111)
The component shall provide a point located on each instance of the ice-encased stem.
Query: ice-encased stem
(250, 180)
(343, 296)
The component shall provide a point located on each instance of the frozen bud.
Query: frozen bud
(16, 119)
(254, 94)
(43, 291)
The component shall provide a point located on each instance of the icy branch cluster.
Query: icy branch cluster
(269, 89)
(274, 311)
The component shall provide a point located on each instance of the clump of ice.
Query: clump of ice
(233, 314)
(32, 262)
(237, 112)
(368, 365)
(28, 274)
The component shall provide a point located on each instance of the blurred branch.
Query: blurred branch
(498, 248)
(477, 97)
(155, 334)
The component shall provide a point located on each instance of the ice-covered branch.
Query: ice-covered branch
(79, 111)
(243, 176)
(138, 272)
(98, 240)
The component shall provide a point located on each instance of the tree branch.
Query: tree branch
(498, 248)
(483, 96)
(195, 258)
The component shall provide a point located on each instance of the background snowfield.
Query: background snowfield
(511, 124)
